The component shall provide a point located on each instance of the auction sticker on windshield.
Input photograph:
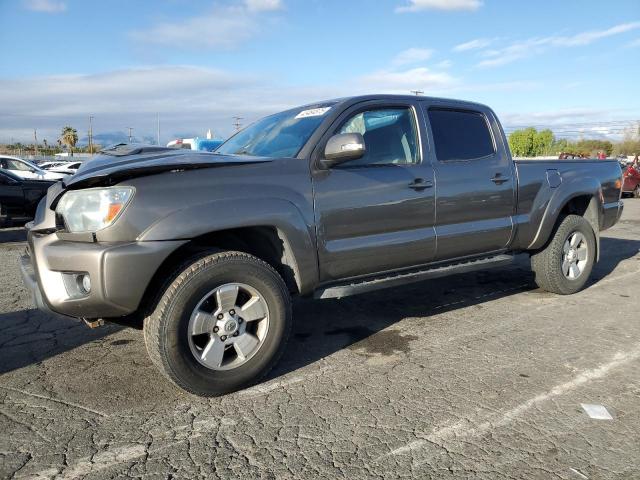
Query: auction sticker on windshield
(313, 112)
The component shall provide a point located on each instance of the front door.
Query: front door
(475, 182)
(11, 197)
(376, 213)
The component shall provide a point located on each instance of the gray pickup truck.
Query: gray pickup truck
(324, 200)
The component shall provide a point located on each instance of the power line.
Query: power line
(630, 123)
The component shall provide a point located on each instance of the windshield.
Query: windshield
(279, 135)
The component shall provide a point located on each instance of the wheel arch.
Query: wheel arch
(579, 196)
(271, 229)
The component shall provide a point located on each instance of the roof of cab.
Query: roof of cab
(395, 97)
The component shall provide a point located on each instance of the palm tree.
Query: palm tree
(69, 137)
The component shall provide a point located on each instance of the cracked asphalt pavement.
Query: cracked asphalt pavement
(473, 376)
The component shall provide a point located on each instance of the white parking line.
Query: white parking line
(102, 460)
(266, 388)
(477, 427)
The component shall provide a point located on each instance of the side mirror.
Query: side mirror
(343, 147)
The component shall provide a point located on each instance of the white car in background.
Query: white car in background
(50, 165)
(27, 170)
(68, 168)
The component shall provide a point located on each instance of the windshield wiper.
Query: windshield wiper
(244, 151)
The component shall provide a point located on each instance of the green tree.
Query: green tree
(523, 142)
(69, 138)
(544, 142)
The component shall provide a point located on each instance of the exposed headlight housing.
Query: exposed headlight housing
(93, 209)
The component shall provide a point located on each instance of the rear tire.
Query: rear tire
(565, 264)
(196, 335)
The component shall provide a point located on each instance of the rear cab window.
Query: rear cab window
(460, 134)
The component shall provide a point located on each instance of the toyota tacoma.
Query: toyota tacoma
(325, 200)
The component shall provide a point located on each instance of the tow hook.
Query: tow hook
(94, 323)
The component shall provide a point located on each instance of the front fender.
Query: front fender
(550, 202)
(196, 220)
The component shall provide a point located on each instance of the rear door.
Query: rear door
(377, 213)
(474, 180)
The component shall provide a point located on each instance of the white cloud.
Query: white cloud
(586, 38)
(444, 64)
(473, 44)
(412, 56)
(634, 44)
(418, 5)
(223, 27)
(190, 99)
(263, 5)
(552, 118)
(538, 45)
(46, 6)
(385, 81)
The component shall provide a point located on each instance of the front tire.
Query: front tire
(565, 264)
(221, 325)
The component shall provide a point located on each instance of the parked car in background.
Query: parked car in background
(631, 180)
(68, 168)
(50, 165)
(27, 170)
(325, 200)
(185, 143)
(19, 197)
(202, 144)
(571, 156)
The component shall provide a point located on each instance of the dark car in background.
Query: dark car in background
(19, 197)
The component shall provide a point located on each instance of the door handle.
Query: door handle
(420, 184)
(498, 179)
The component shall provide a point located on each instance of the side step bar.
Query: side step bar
(362, 286)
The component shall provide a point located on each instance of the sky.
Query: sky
(196, 64)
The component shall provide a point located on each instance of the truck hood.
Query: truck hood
(123, 161)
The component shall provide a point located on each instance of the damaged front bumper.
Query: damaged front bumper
(118, 274)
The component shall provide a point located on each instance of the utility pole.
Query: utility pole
(90, 134)
(417, 92)
(130, 130)
(158, 128)
(237, 123)
(35, 138)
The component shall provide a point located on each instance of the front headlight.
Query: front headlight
(93, 209)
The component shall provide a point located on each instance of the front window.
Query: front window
(389, 136)
(17, 165)
(280, 135)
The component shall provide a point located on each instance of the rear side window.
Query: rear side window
(460, 134)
